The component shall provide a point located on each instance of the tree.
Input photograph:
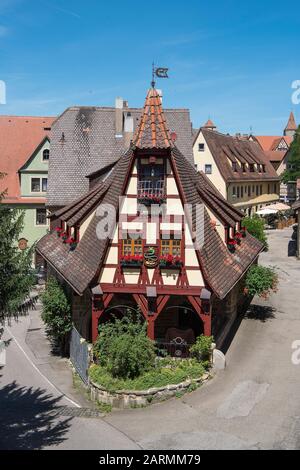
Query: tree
(256, 227)
(292, 173)
(16, 275)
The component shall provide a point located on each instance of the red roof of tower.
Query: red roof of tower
(152, 131)
(291, 125)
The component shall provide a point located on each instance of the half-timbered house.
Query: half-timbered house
(153, 235)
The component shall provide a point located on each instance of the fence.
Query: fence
(79, 355)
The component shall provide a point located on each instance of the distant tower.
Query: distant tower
(291, 126)
(209, 125)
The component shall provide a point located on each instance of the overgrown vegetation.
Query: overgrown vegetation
(255, 226)
(292, 173)
(16, 276)
(201, 350)
(126, 358)
(56, 313)
(163, 373)
(261, 280)
(124, 348)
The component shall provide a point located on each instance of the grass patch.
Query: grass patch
(167, 373)
(104, 407)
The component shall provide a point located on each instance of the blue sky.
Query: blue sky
(232, 61)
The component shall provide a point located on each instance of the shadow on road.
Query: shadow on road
(28, 418)
(260, 312)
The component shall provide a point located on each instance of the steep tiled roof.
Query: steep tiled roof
(227, 150)
(291, 125)
(19, 138)
(271, 142)
(152, 131)
(83, 140)
(275, 155)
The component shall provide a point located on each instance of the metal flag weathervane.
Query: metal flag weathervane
(159, 72)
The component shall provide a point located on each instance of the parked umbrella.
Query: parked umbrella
(280, 206)
(266, 211)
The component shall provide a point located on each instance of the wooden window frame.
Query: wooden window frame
(170, 242)
(133, 244)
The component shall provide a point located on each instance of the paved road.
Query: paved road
(253, 404)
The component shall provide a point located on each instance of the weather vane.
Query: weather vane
(159, 72)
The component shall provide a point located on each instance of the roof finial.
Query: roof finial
(153, 73)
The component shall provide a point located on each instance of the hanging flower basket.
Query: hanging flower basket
(72, 242)
(131, 261)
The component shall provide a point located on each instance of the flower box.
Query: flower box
(130, 261)
(170, 262)
(232, 245)
(148, 199)
(58, 231)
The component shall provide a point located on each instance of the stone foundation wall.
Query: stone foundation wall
(133, 399)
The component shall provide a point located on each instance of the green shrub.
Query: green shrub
(124, 348)
(256, 227)
(175, 372)
(202, 347)
(261, 280)
(56, 311)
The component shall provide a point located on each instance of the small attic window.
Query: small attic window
(201, 147)
(235, 166)
(251, 167)
(47, 128)
(46, 153)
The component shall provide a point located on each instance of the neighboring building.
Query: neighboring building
(238, 168)
(276, 149)
(88, 138)
(296, 207)
(179, 267)
(24, 158)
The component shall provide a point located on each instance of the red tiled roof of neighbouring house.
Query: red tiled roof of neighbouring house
(19, 138)
(152, 131)
(291, 125)
(275, 155)
(271, 142)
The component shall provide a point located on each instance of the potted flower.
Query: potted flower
(243, 231)
(72, 242)
(131, 261)
(232, 245)
(58, 230)
(238, 237)
(64, 236)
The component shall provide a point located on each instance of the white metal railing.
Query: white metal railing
(148, 188)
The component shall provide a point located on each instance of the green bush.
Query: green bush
(56, 311)
(255, 226)
(124, 348)
(165, 373)
(202, 348)
(261, 280)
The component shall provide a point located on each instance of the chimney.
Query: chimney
(119, 104)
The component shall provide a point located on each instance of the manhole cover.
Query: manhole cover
(78, 412)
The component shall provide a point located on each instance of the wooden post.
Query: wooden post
(150, 328)
(95, 320)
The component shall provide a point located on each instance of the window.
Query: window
(251, 167)
(249, 191)
(170, 247)
(41, 217)
(46, 153)
(44, 184)
(234, 191)
(257, 190)
(242, 191)
(244, 167)
(264, 168)
(201, 147)
(132, 246)
(234, 166)
(238, 191)
(35, 185)
(208, 169)
(260, 190)
(151, 180)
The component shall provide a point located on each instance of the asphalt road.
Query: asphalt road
(253, 404)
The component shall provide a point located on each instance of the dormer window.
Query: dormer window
(244, 167)
(235, 166)
(251, 167)
(151, 182)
